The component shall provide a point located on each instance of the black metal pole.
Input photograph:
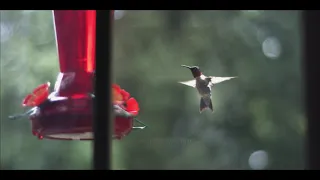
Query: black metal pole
(102, 107)
(311, 29)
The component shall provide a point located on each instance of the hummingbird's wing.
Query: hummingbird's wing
(191, 83)
(216, 80)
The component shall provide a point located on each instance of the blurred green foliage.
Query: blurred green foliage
(261, 110)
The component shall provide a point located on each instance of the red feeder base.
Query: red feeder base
(63, 118)
(71, 118)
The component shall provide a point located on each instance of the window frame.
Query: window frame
(311, 39)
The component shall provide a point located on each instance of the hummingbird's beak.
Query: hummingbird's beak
(186, 66)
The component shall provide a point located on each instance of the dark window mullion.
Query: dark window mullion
(102, 106)
(311, 37)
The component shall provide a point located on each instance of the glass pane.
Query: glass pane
(258, 120)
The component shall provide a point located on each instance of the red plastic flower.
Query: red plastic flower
(38, 96)
(123, 99)
(123, 125)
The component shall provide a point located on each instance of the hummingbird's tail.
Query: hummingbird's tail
(205, 103)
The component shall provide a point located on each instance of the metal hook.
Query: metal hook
(139, 127)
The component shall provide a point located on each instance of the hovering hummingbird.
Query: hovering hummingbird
(203, 84)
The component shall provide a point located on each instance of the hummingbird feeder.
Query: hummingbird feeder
(67, 112)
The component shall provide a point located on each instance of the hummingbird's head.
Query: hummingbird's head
(195, 70)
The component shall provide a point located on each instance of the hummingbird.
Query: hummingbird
(204, 85)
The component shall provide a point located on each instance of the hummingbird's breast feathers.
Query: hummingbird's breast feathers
(202, 85)
(203, 81)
